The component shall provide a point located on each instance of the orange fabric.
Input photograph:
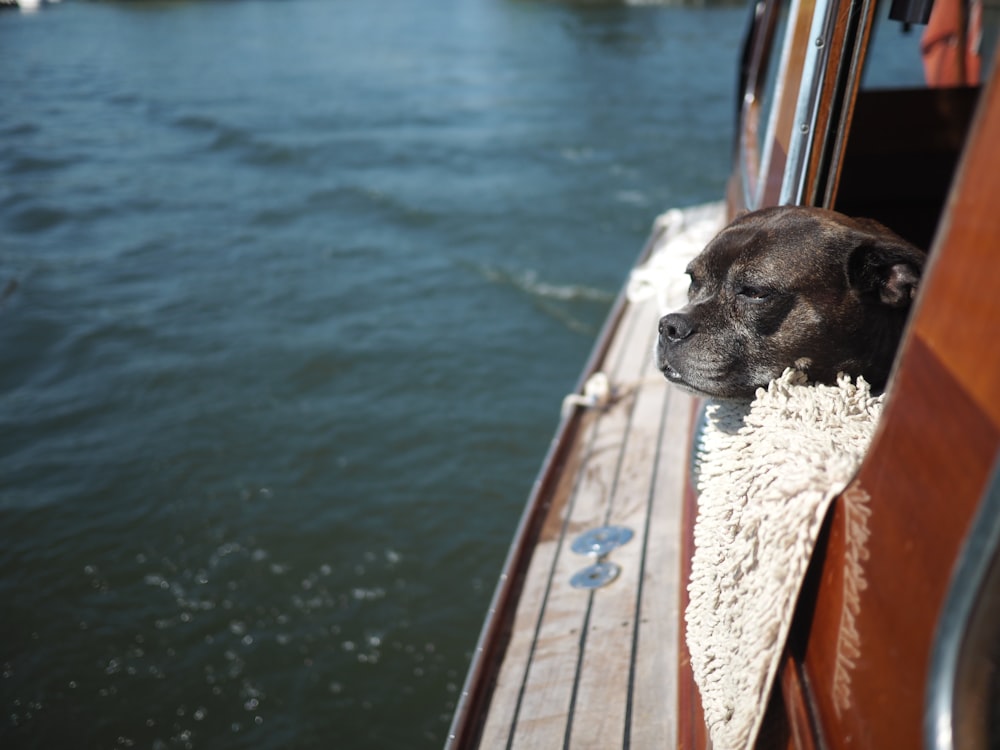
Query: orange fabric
(950, 45)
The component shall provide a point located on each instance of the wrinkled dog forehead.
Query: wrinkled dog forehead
(726, 249)
(785, 242)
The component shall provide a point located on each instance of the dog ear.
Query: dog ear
(888, 268)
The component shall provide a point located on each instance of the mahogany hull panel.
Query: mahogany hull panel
(896, 532)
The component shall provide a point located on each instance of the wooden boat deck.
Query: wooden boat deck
(558, 666)
(597, 668)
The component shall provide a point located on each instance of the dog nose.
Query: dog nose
(675, 327)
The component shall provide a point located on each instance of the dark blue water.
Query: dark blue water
(291, 292)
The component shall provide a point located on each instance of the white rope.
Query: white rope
(596, 393)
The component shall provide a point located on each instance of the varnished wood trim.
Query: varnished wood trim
(692, 734)
(840, 121)
(924, 474)
(785, 107)
(794, 692)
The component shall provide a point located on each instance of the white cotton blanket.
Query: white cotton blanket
(766, 473)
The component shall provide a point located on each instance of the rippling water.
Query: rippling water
(289, 295)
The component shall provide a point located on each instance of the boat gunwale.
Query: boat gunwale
(470, 711)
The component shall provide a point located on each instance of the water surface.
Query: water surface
(291, 292)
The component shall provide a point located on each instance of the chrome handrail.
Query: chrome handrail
(960, 698)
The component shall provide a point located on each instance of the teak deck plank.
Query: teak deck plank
(610, 636)
(654, 698)
(607, 653)
(594, 668)
(523, 650)
(548, 701)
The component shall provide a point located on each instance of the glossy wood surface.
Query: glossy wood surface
(856, 671)
(897, 530)
(787, 99)
(692, 734)
(763, 172)
(837, 92)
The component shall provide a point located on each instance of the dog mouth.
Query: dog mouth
(707, 389)
(664, 366)
(693, 381)
(673, 376)
(670, 373)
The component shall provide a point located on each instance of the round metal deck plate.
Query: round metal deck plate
(596, 575)
(601, 541)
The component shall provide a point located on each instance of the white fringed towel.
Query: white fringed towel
(767, 472)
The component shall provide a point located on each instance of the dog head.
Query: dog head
(790, 287)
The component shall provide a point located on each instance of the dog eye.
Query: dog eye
(753, 293)
(694, 286)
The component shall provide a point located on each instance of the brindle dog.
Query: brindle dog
(791, 287)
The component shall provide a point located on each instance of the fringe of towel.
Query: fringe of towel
(766, 473)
